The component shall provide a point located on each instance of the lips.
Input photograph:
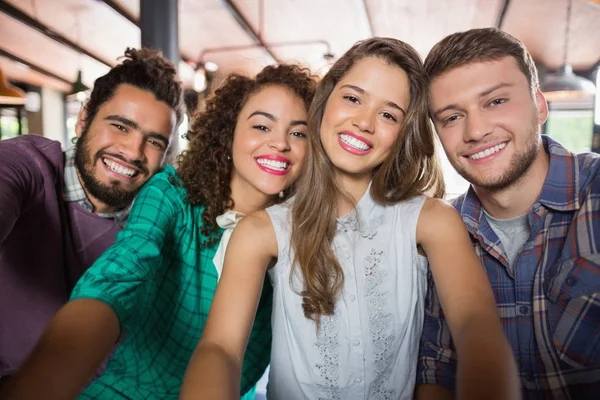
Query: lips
(354, 144)
(272, 164)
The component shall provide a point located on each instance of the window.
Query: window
(572, 128)
(12, 123)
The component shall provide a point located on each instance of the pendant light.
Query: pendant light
(78, 89)
(10, 95)
(565, 85)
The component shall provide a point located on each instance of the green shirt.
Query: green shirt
(160, 280)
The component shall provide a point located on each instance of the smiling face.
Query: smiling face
(123, 146)
(269, 144)
(363, 117)
(488, 121)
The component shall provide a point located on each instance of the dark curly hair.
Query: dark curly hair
(145, 69)
(206, 166)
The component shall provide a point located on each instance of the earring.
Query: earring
(228, 157)
(281, 195)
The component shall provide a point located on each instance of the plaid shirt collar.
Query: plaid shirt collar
(73, 190)
(560, 191)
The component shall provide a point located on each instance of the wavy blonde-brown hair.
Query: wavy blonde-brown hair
(206, 166)
(411, 169)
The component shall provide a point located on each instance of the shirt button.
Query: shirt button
(529, 377)
(352, 297)
(357, 380)
(524, 310)
(356, 342)
(571, 281)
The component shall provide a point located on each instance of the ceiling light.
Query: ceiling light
(10, 95)
(565, 85)
(211, 66)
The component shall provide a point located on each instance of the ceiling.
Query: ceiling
(45, 42)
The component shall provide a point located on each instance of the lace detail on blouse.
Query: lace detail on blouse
(381, 325)
(328, 367)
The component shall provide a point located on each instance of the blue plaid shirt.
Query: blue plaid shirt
(549, 302)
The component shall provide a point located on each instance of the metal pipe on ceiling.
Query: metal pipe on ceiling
(34, 67)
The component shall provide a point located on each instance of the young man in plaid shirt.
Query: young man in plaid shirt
(533, 213)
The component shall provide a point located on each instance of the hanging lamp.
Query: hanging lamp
(10, 95)
(565, 85)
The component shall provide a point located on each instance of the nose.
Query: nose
(132, 147)
(280, 141)
(364, 119)
(477, 126)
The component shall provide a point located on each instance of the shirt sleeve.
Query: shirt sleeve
(258, 351)
(437, 355)
(119, 276)
(17, 185)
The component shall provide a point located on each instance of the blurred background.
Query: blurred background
(51, 51)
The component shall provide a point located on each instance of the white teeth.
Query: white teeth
(119, 169)
(487, 152)
(273, 164)
(354, 142)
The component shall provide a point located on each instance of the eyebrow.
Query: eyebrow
(264, 114)
(482, 94)
(134, 125)
(362, 91)
(275, 119)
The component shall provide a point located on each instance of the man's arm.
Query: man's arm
(103, 302)
(72, 348)
(17, 182)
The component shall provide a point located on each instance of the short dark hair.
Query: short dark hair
(477, 45)
(145, 69)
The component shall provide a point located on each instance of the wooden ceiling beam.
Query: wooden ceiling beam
(20, 16)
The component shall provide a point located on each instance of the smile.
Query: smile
(119, 169)
(354, 144)
(487, 152)
(274, 165)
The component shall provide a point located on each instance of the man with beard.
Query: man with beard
(533, 214)
(60, 211)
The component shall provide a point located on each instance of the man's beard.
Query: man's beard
(519, 165)
(113, 195)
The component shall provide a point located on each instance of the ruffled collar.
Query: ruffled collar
(365, 218)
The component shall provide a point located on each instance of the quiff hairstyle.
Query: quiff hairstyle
(479, 45)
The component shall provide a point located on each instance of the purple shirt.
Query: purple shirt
(45, 243)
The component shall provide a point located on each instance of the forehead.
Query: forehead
(275, 99)
(379, 79)
(141, 107)
(469, 80)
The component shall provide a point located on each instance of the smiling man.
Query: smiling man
(533, 214)
(60, 211)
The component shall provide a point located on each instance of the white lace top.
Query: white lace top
(369, 348)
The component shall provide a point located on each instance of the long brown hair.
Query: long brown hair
(410, 170)
(206, 166)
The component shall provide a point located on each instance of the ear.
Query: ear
(81, 121)
(542, 106)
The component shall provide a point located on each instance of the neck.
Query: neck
(355, 187)
(518, 198)
(247, 200)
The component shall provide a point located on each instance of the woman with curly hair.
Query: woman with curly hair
(153, 288)
(346, 255)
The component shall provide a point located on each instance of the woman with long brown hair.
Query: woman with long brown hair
(153, 288)
(346, 255)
